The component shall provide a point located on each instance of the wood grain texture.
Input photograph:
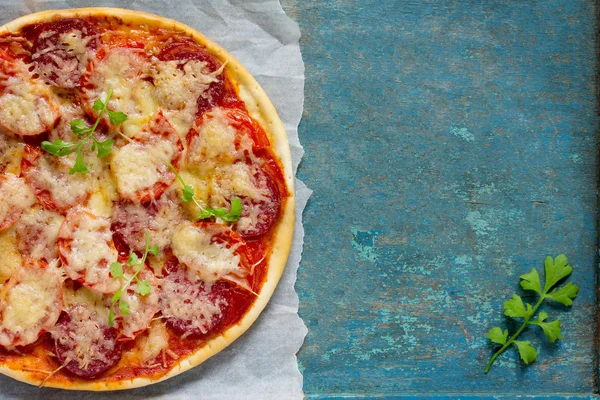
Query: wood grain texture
(451, 146)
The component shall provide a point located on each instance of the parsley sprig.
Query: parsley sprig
(143, 287)
(187, 196)
(61, 148)
(555, 271)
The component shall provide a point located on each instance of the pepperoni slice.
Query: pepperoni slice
(124, 70)
(62, 49)
(141, 308)
(160, 218)
(190, 307)
(259, 215)
(37, 234)
(30, 304)
(86, 249)
(15, 197)
(84, 343)
(141, 166)
(49, 177)
(211, 250)
(187, 51)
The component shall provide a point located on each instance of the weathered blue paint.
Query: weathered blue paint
(451, 146)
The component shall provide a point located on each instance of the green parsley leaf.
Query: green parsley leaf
(116, 270)
(551, 329)
(117, 296)
(79, 127)
(235, 211)
(133, 260)
(531, 281)
(111, 318)
(116, 117)
(99, 104)
(515, 308)
(556, 270)
(104, 148)
(497, 336)
(187, 195)
(143, 288)
(564, 295)
(59, 147)
(79, 165)
(231, 216)
(526, 351)
(124, 307)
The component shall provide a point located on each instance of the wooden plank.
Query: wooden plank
(451, 146)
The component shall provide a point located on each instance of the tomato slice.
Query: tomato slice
(86, 249)
(30, 304)
(141, 166)
(15, 197)
(49, 177)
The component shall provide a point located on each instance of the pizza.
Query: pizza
(146, 199)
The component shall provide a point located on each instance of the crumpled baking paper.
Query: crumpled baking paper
(262, 363)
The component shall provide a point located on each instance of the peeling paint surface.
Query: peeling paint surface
(451, 146)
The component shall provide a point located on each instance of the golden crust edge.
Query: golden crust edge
(260, 108)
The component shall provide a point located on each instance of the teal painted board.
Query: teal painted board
(451, 146)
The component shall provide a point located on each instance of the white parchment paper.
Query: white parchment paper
(262, 363)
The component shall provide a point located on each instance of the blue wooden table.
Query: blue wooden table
(451, 146)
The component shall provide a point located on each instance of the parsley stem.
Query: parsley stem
(100, 114)
(138, 269)
(516, 334)
(142, 262)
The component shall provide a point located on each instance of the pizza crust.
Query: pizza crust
(261, 109)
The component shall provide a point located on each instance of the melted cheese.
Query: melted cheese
(96, 303)
(236, 180)
(215, 140)
(212, 261)
(151, 345)
(138, 166)
(121, 70)
(15, 196)
(26, 107)
(29, 305)
(189, 302)
(11, 153)
(11, 258)
(141, 308)
(104, 193)
(37, 232)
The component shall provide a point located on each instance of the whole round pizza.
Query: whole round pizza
(146, 199)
